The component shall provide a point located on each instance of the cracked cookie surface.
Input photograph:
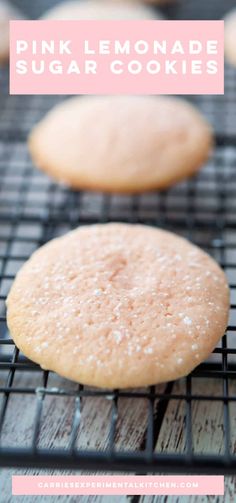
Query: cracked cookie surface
(119, 305)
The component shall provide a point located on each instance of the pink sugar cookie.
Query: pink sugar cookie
(104, 9)
(121, 143)
(7, 12)
(118, 306)
(230, 37)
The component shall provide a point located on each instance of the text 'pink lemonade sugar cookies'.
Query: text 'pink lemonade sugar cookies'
(7, 12)
(121, 143)
(95, 9)
(117, 305)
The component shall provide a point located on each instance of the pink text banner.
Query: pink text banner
(116, 57)
(117, 485)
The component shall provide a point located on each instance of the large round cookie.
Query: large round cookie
(230, 37)
(120, 143)
(93, 9)
(117, 305)
(7, 12)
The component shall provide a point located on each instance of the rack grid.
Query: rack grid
(33, 209)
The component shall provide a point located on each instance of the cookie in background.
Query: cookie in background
(7, 12)
(127, 144)
(105, 9)
(230, 37)
(152, 2)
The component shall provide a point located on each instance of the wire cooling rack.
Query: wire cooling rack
(45, 421)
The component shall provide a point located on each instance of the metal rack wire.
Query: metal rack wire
(33, 210)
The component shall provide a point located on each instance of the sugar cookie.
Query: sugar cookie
(152, 2)
(92, 9)
(7, 12)
(121, 143)
(117, 305)
(230, 37)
